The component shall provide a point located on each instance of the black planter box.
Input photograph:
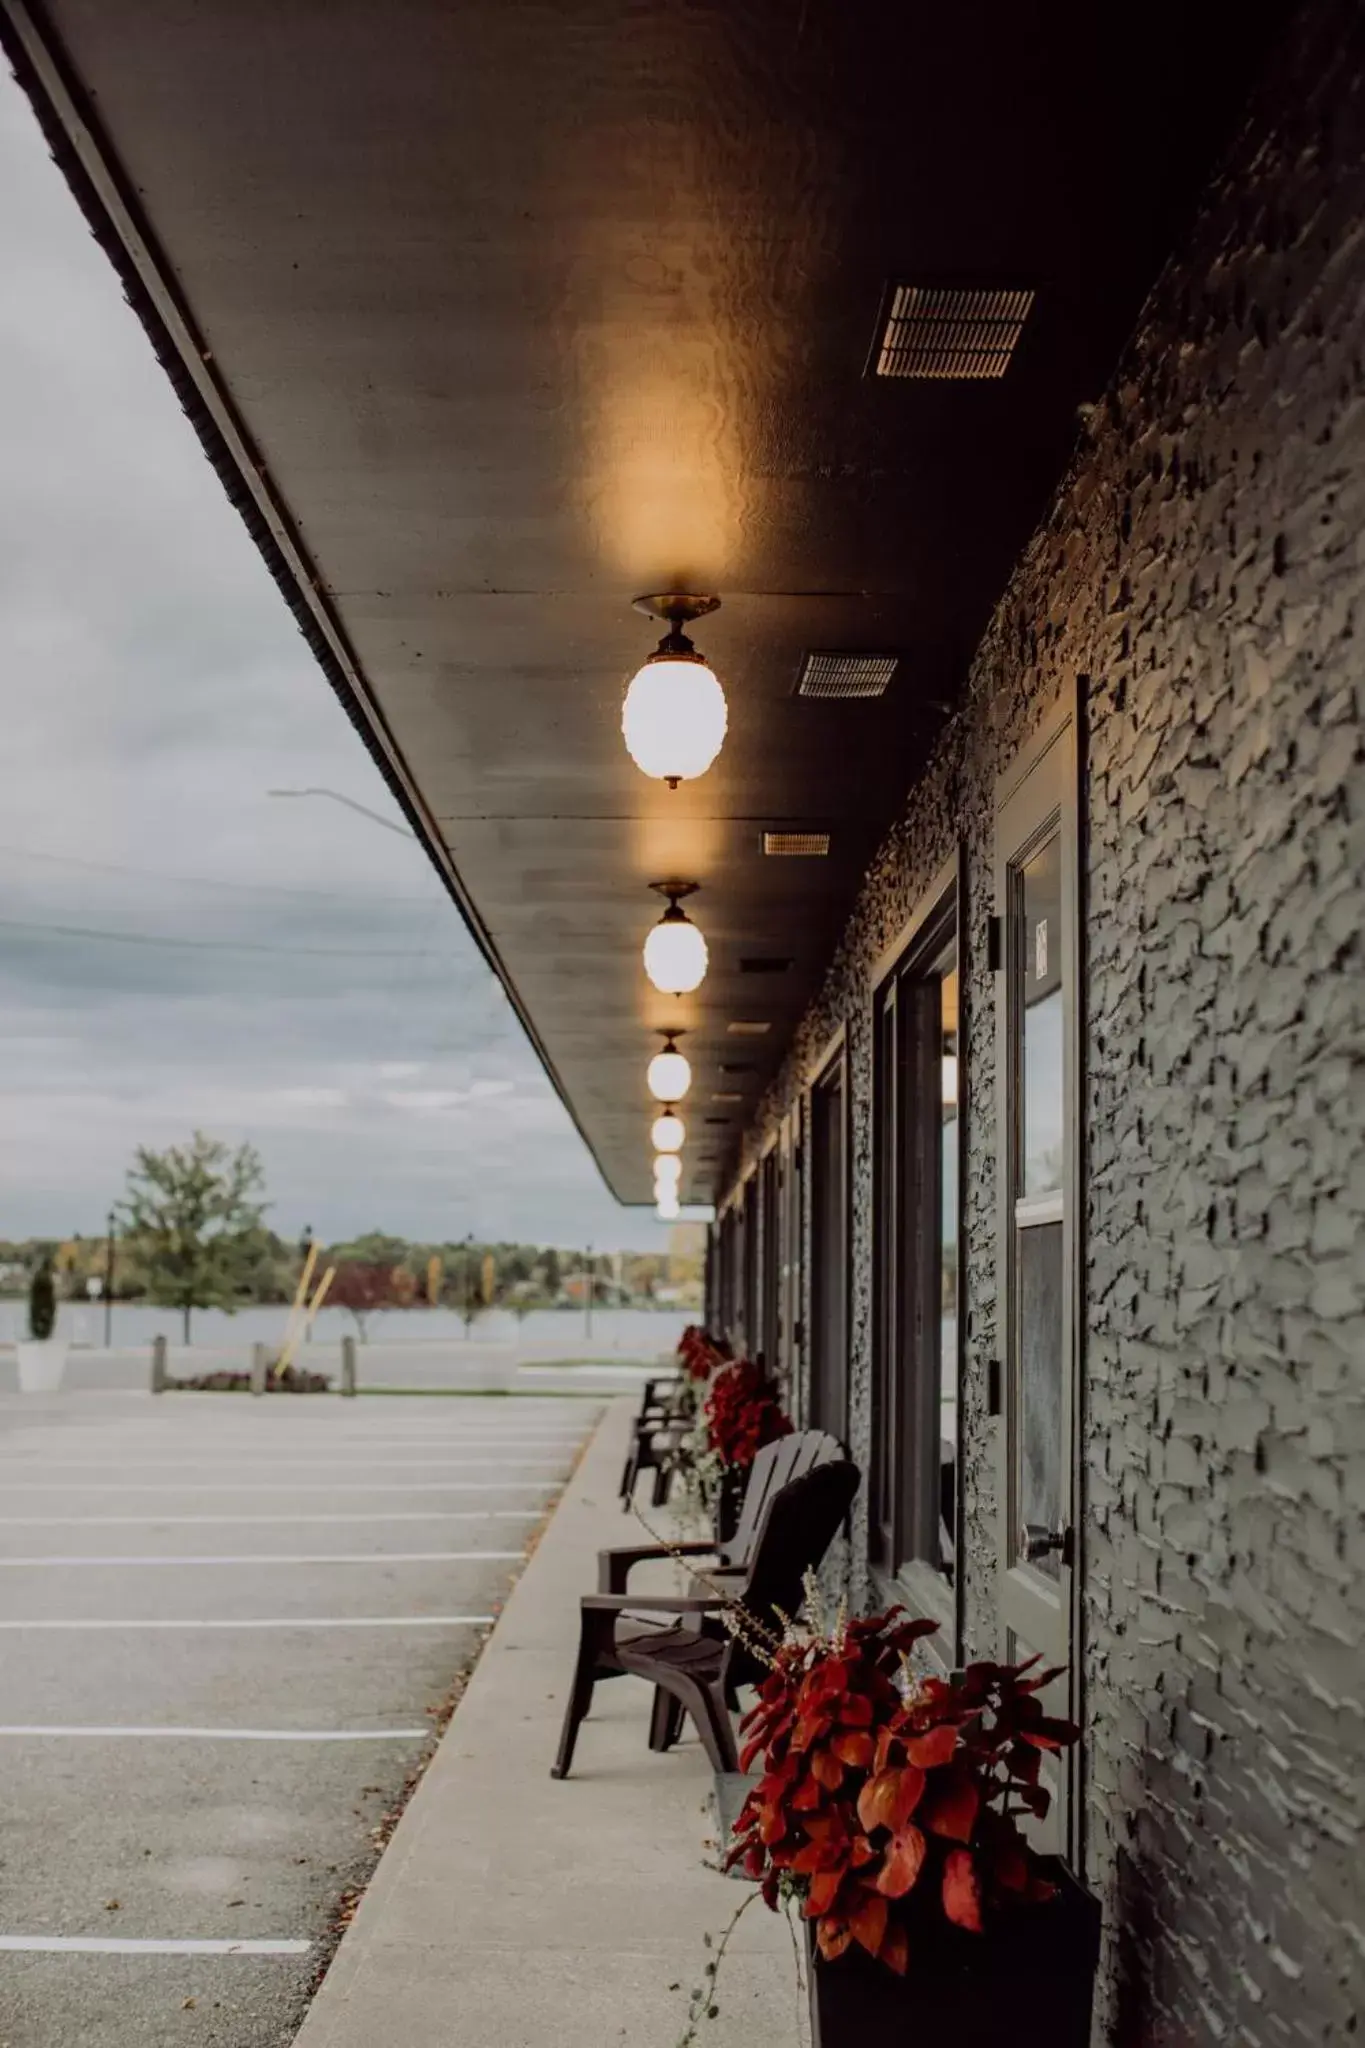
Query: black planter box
(1026, 1983)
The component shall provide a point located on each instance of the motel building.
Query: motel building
(980, 393)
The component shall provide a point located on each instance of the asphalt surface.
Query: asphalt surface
(329, 1524)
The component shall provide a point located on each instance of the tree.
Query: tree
(195, 1213)
(549, 1266)
(361, 1289)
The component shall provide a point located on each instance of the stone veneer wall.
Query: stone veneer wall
(1200, 578)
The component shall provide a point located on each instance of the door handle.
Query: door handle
(1041, 1542)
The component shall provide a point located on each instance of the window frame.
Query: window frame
(768, 1182)
(1039, 797)
(901, 1385)
(827, 1393)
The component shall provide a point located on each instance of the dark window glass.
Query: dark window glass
(829, 1305)
(1040, 1389)
(915, 1508)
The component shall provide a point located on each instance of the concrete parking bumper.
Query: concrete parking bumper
(514, 1911)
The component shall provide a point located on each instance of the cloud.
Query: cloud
(178, 949)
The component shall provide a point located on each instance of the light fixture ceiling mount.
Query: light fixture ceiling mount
(673, 719)
(675, 951)
(669, 1074)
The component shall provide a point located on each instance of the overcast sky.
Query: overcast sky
(177, 948)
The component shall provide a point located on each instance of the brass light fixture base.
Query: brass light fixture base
(676, 607)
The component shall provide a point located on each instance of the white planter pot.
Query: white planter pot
(41, 1365)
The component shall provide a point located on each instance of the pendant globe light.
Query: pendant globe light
(667, 1170)
(666, 1207)
(669, 1074)
(675, 951)
(667, 1132)
(673, 719)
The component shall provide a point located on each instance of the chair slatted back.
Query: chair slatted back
(799, 1523)
(775, 1464)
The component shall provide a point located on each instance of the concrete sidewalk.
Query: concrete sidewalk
(514, 1911)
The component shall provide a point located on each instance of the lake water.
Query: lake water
(617, 1333)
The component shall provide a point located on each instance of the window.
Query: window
(1037, 1251)
(768, 1337)
(789, 1242)
(829, 1232)
(748, 1223)
(917, 1093)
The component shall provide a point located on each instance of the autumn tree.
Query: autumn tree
(197, 1218)
(361, 1289)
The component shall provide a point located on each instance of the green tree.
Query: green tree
(197, 1218)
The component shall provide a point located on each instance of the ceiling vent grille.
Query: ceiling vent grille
(748, 1027)
(944, 333)
(796, 842)
(763, 963)
(845, 675)
(727, 1095)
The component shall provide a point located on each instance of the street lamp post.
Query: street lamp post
(588, 1291)
(109, 1284)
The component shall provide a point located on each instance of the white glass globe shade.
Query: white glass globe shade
(675, 956)
(667, 1170)
(673, 719)
(668, 1132)
(667, 1208)
(669, 1077)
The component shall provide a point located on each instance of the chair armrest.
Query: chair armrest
(614, 1566)
(650, 1603)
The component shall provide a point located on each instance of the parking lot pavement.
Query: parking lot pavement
(225, 1627)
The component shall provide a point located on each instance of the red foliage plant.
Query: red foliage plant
(874, 1786)
(743, 1412)
(697, 1354)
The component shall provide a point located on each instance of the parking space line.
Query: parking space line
(318, 1557)
(79, 1945)
(154, 1521)
(288, 1486)
(225, 1734)
(273, 1621)
(341, 1465)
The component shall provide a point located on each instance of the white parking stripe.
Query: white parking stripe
(285, 1486)
(232, 1521)
(229, 1734)
(280, 1621)
(77, 1945)
(320, 1557)
(341, 1466)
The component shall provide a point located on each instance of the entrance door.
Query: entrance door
(1037, 1258)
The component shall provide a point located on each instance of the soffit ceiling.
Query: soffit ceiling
(527, 309)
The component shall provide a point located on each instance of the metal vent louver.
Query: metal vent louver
(796, 842)
(933, 331)
(748, 1027)
(845, 675)
(764, 963)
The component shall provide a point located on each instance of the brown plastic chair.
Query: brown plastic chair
(695, 1665)
(775, 1464)
(655, 1433)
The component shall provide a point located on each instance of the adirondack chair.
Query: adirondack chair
(691, 1659)
(654, 1435)
(775, 1464)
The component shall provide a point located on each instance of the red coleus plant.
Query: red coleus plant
(877, 1784)
(743, 1412)
(697, 1355)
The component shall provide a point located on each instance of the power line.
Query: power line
(104, 867)
(73, 931)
